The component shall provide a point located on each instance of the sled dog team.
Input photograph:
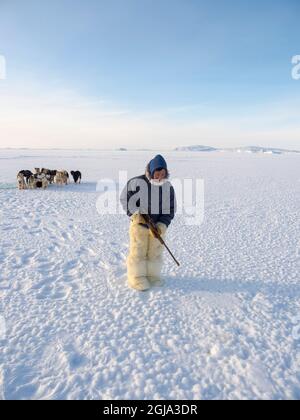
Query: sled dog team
(41, 178)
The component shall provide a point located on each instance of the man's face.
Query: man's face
(160, 175)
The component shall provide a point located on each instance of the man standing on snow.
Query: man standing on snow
(154, 195)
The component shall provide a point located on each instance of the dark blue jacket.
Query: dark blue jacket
(157, 201)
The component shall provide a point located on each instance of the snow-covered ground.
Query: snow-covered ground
(226, 325)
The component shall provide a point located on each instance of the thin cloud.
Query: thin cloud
(63, 118)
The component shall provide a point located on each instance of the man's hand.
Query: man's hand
(137, 218)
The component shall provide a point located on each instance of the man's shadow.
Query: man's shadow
(191, 285)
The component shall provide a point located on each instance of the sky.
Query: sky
(149, 73)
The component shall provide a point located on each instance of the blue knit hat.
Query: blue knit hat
(157, 163)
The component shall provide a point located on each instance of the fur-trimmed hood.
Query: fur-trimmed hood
(148, 174)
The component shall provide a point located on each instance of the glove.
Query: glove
(161, 228)
(137, 218)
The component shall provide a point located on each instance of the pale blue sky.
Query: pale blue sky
(165, 72)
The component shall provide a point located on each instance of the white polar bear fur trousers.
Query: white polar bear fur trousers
(145, 256)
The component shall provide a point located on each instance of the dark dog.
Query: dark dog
(76, 176)
(27, 175)
(38, 180)
(50, 175)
